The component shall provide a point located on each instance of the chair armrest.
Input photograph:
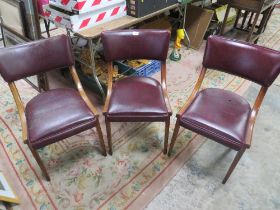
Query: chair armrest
(81, 90)
(194, 92)
(164, 86)
(109, 87)
(21, 110)
(253, 115)
(166, 99)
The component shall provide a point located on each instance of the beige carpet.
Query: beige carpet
(131, 178)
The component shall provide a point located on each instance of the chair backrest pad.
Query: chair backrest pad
(252, 62)
(135, 44)
(35, 57)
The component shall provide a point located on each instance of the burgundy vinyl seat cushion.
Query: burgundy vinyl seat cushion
(137, 99)
(220, 115)
(55, 115)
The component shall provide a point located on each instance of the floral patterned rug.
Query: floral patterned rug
(81, 178)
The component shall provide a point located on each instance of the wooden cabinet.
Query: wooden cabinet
(246, 27)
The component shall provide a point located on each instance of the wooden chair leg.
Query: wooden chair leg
(167, 124)
(266, 15)
(109, 136)
(225, 20)
(252, 28)
(99, 131)
(47, 27)
(237, 18)
(267, 18)
(244, 19)
(233, 164)
(174, 136)
(250, 20)
(40, 162)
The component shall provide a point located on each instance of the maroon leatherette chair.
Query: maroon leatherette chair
(52, 115)
(222, 115)
(136, 99)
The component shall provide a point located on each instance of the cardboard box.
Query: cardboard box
(197, 22)
(161, 23)
(140, 8)
(78, 22)
(83, 6)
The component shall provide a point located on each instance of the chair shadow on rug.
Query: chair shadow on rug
(56, 114)
(222, 115)
(136, 99)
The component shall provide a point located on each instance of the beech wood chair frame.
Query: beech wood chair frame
(109, 92)
(251, 122)
(21, 110)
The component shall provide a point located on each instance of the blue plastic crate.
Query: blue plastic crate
(146, 70)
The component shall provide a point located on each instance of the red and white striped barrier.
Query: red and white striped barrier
(86, 20)
(83, 6)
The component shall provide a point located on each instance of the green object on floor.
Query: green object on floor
(175, 55)
(184, 1)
